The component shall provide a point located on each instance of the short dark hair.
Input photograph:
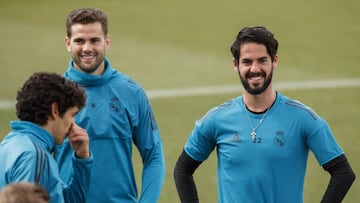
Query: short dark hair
(86, 16)
(257, 34)
(41, 90)
(21, 192)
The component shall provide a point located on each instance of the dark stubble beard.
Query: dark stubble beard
(91, 69)
(256, 90)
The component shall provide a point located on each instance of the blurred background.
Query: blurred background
(177, 47)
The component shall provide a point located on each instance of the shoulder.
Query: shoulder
(296, 107)
(127, 83)
(227, 107)
(18, 143)
(18, 150)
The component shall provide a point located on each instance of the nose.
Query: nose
(255, 67)
(87, 46)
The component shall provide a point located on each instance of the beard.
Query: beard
(258, 89)
(88, 68)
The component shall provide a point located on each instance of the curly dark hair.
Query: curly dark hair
(86, 16)
(41, 90)
(257, 34)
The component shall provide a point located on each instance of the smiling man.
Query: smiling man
(46, 106)
(117, 116)
(262, 138)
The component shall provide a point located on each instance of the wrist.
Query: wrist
(83, 155)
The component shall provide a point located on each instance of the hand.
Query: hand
(79, 141)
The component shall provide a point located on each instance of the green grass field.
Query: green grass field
(185, 44)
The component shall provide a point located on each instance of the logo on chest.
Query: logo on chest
(278, 139)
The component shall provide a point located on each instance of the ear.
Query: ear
(275, 62)
(54, 111)
(107, 42)
(235, 65)
(67, 44)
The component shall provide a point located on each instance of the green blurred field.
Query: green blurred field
(184, 44)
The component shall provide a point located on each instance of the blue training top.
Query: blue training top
(26, 156)
(116, 116)
(271, 168)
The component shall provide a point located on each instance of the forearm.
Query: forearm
(184, 181)
(186, 187)
(342, 177)
(153, 175)
(77, 189)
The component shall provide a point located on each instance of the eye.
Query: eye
(263, 60)
(78, 41)
(95, 40)
(246, 62)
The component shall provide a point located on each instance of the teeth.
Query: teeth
(256, 78)
(88, 57)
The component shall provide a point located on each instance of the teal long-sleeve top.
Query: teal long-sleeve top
(117, 116)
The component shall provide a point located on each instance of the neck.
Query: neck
(260, 102)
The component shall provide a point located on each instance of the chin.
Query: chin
(59, 142)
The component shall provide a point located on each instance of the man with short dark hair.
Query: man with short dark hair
(262, 138)
(118, 116)
(24, 192)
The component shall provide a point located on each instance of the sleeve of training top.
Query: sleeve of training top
(25, 169)
(78, 187)
(184, 181)
(35, 167)
(201, 141)
(342, 177)
(322, 142)
(148, 141)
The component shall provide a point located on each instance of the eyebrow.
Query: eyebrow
(264, 57)
(261, 58)
(82, 38)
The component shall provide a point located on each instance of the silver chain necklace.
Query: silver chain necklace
(253, 133)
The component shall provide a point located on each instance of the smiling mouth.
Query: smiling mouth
(87, 56)
(257, 78)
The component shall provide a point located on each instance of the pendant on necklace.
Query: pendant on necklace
(253, 135)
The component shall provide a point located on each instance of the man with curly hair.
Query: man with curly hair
(46, 106)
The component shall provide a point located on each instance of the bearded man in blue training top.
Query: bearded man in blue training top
(262, 138)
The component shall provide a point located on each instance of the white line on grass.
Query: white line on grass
(7, 104)
(213, 90)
